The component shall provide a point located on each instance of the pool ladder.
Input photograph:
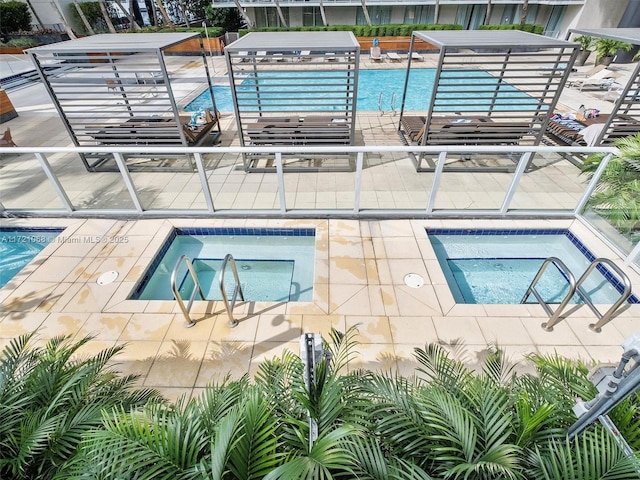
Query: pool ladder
(576, 288)
(197, 289)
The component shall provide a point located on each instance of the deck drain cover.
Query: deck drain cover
(413, 280)
(107, 277)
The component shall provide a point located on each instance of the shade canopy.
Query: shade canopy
(115, 90)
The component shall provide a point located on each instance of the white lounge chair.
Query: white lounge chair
(242, 57)
(416, 56)
(376, 54)
(304, 55)
(261, 55)
(330, 57)
(602, 78)
(393, 56)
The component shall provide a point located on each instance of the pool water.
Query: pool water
(386, 82)
(272, 264)
(18, 246)
(261, 280)
(497, 267)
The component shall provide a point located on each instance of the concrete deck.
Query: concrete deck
(359, 267)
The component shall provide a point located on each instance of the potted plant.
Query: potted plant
(607, 48)
(586, 42)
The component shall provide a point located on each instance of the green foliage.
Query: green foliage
(445, 422)
(93, 15)
(617, 196)
(49, 399)
(585, 41)
(22, 43)
(227, 19)
(606, 47)
(528, 27)
(362, 30)
(14, 17)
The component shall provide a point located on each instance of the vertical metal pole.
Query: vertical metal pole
(632, 256)
(57, 186)
(310, 378)
(442, 157)
(592, 184)
(517, 176)
(358, 185)
(128, 181)
(206, 191)
(281, 192)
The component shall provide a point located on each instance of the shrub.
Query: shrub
(15, 17)
(22, 43)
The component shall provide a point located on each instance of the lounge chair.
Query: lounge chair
(6, 140)
(376, 54)
(330, 57)
(304, 55)
(416, 56)
(242, 57)
(261, 55)
(602, 79)
(196, 133)
(393, 56)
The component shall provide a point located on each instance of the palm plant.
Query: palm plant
(444, 422)
(49, 400)
(607, 48)
(617, 196)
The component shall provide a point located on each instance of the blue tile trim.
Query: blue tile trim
(271, 232)
(31, 229)
(135, 295)
(280, 232)
(615, 282)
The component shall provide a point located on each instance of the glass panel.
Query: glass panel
(613, 207)
(103, 189)
(473, 181)
(419, 14)
(557, 14)
(233, 188)
(462, 15)
(311, 16)
(390, 180)
(552, 182)
(25, 185)
(477, 17)
(509, 14)
(380, 15)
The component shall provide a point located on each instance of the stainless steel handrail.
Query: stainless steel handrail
(554, 316)
(576, 287)
(189, 322)
(229, 305)
(609, 314)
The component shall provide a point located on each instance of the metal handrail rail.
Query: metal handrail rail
(189, 322)
(605, 318)
(554, 317)
(228, 259)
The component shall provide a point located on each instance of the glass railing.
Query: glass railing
(361, 182)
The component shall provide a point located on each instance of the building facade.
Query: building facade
(556, 16)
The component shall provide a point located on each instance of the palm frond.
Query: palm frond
(256, 451)
(440, 368)
(592, 456)
(327, 459)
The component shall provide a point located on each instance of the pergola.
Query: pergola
(292, 89)
(491, 87)
(115, 90)
(625, 116)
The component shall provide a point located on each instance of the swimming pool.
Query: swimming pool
(18, 246)
(389, 83)
(497, 266)
(274, 265)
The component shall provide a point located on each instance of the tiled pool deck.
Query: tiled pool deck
(359, 279)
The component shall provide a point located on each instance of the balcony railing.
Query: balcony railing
(379, 182)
